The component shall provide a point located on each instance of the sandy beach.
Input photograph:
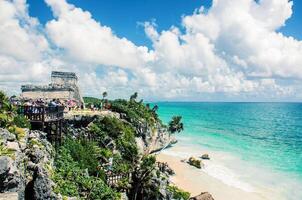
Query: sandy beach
(196, 181)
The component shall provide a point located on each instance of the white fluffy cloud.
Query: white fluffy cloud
(21, 42)
(247, 31)
(86, 40)
(22, 47)
(231, 50)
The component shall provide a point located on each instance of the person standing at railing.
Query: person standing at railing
(52, 105)
(35, 110)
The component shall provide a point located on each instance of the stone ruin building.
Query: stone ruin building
(64, 86)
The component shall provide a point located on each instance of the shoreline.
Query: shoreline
(195, 180)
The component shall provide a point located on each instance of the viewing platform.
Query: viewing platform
(42, 113)
(45, 118)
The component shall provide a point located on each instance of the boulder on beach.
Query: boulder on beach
(195, 162)
(203, 196)
(205, 157)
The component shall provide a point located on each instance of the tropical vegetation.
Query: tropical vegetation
(175, 125)
(81, 165)
(10, 119)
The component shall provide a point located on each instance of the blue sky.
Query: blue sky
(229, 50)
(123, 16)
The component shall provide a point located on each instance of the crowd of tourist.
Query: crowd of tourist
(68, 105)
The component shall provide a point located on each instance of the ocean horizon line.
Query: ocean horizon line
(294, 102)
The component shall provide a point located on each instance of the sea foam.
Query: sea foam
(226, 175)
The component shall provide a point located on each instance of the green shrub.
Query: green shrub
(72, 179)
(144, 186)
(92, 100)
(111, 126)
(136, 112)
(121, 133)
(21, 121)
(178, 194)
(86, 154)
(121, 165)
(9, 117)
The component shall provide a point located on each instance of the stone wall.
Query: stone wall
(64, 78)
(63, 86)
(48, 94)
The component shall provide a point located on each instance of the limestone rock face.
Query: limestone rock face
(42, 186)
(4, 164)
(13, 146)
(25, 170)
(9, 196)
(152, 139)
(5, 136)
(203, 196)
(149, 139)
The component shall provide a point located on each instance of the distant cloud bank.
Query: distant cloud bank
(232, 50)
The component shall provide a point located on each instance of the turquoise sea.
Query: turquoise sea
(263, 139)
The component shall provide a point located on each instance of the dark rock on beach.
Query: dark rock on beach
(205, 157)
(195, 162)
(203, 196)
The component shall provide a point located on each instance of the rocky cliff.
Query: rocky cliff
(153, 138)
(26, 165)
(149, 138)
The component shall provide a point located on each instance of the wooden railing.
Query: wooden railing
(113, 179)
(42, 113)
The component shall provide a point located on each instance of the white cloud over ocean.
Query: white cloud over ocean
(232, 50)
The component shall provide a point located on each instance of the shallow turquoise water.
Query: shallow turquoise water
(268, 134)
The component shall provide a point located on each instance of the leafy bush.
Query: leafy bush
(21, 121)
(144, 184)
(177, 193)
(92, 100)
(121, 133)
(109, 126)
(86, 154)
(72, 178)
(136, 112)
(10, 119)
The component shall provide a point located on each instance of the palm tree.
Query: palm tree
(175, 125)
(133, 97)
(104, 95)
(142, 184)
(155, 108)
(103, 103)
